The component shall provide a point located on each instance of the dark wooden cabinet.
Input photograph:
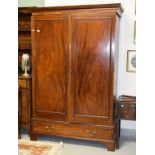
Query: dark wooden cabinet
(24, 101)
(127, 107)
(24, 35)
(24, 83)
(73, 65)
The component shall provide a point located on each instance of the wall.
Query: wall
(80, 2)
(127, 80)
(24, 3)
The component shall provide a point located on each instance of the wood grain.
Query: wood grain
(73, 130)
(74, 50)
(91, 68)
(25, 101)
(51, 67)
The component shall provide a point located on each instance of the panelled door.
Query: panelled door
(50, 67)
(91, 66)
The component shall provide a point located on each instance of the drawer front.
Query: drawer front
(70, 130)
(22, 83)
(128, 111)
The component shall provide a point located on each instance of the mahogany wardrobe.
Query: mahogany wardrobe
(74, 72)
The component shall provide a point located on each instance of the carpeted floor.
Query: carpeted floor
(27, 147)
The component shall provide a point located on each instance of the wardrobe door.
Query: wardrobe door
(50, 67)
(91, 68)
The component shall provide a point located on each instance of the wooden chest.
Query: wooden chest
(127, 107)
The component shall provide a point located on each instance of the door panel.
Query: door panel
(91, 69)
(51, 68)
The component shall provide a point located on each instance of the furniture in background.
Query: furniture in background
(127, 106)
(24, 47)
(24, 98)
(24, 35)
(19, 114)
(74, 69)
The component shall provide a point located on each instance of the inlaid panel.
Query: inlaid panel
(51, 67)
(91, 68)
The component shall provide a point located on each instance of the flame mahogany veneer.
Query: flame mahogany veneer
(74, 66)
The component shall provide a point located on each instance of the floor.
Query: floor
(79, 147)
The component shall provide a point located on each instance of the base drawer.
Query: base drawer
(72, 130)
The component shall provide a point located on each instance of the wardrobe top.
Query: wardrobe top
(75, 7)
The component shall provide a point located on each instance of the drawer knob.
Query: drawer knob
(50, 128)
(91, 132)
